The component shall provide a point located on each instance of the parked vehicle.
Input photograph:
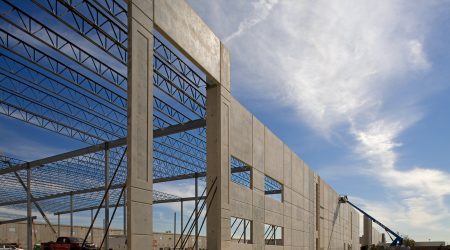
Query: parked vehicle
(10, 247)
(68, 243)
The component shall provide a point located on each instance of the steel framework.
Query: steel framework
(63, 68)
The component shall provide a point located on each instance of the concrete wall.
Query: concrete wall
(370, 236)
(376, 237)
(165, 241)
(339, 223)
(310, 211)
(253, 143)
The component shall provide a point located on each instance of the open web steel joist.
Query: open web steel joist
(63, 68)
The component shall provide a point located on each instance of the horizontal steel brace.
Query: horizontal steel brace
(193, 175)
(16, 220)
(54, 196)
(121, 205)
(102, 146)
(63, 156)
(173, 129)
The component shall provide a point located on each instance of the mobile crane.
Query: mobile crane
(397, 241)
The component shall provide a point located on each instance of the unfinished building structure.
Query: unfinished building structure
(145, 85)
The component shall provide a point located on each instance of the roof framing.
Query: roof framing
(63, 68)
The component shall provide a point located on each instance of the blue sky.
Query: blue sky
(358, 89)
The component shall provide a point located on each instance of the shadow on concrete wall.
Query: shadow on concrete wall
(335, 216)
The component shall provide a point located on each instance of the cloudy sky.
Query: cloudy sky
(359, 89)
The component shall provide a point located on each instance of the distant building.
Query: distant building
(431, 245)
(16, 233)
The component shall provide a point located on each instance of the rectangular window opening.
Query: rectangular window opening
(273, 189)
(273, 235)
(241, 230)
(241, 173)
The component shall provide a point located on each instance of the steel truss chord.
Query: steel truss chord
(57, 104)
(159, 123)
(47, 36)
(59, 69)
(170, 59)
(170, 155)
(177, 117)
(168, 110)
(57, 88)
(27, 98)
(85, 19)
(182, 146)
(158, 198)
(115, 10)
(62, 194)
(75, 153)
(43, 122)
(162, 168)
(178, 89)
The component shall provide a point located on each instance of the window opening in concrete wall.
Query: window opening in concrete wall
(273, 235)
(241, 230)
(241, 172)
(273, 189)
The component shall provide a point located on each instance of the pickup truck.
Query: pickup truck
(68, 243)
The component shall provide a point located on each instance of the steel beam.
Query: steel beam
(190, 125)
(16, 220)
(40, 32)
(186, 199)
(117, 186)
(95, 148)
(49, 197)
(63, 156)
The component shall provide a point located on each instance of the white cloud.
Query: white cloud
(348, 64)
(261, 10)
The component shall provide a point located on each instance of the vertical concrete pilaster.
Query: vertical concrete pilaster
(367, 232)
(140, 124)
(317, 212)
(218, 156)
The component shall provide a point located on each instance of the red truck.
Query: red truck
(68, 243)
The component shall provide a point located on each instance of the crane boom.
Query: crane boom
(397, 241)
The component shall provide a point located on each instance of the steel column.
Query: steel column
(92, 232)
(125, 212)
(181, 219)
(71, 214)
(174, 228)
(106, 196)
(59, 225)
(196, 210)
(29, 214)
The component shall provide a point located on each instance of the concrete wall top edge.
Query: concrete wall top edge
(237, 106)
(179, 23)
